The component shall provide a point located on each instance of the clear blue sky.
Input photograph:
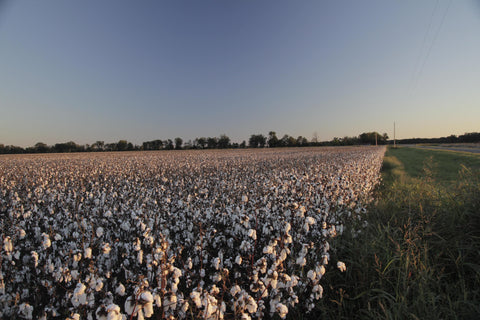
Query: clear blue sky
(144, 70)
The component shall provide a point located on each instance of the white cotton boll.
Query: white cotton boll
(251, 305)
(311, 275)
(310, 220)
(157, 299)
(318, 291)
(75, 274)
(148, 309)
(114, 312)
(35, 258)
(202, 273)
(306, 227)
(140, 256)
(137, 245)
(22, 233)
(301, 261)
(177, 273)
(87, 253)
(268, 249)
(320, 270)
(216, 277)
(234, 290)
(99, 232)
(341, 266)
(244, 198)
(140, 315)
(145, 297)
(216, 263)
(125, 226)
(106, 248)
(120, 290)
(25, 310)
(252, 233)
(215, 290)
(288, 239)
(245, 316)
(46, 243)
(238, 260)
(282, 310)
(99, 284)
(79, 297)
(107, 214)
(195, 296)
(58, 237)
(288, 227)
(185, 306)
(130, 306)
(189, 263)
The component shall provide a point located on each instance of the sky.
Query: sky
(142, 70)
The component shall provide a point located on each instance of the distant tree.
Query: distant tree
(257, 141)
(178, 143)
(122, 145)
(98, 146)
(66, 147)
(41, 147)
(212, 143)
(315, 138)
(188, 144)
(243, 144)
(200, 142)
(470, 137)
(371, 137)
(301, 141)
(272, 139)
(287, 141)
(168, 144)
(223, 142)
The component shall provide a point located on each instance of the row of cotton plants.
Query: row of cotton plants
(184, 234)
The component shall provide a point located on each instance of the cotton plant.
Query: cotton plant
(168, 235)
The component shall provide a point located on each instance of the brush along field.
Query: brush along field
(184, 234)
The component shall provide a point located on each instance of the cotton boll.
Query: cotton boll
(282, 310)
(22, 234)
(216, 263)
(301, 261)
(311, 275)
(46, 243)
(99, 232)
(25, 311)
(341, 266)
(87, 253)
(120, 290)
(130, 306)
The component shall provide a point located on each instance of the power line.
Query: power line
(422, 49)
(435, 36)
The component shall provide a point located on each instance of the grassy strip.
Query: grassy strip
(418, 254)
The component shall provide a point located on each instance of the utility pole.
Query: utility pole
(394, 141)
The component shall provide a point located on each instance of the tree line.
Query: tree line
(223, 142)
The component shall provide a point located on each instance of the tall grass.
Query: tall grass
(417, 256)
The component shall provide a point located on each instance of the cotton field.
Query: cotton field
(183, 234)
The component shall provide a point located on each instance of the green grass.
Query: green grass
(418, 255)
(444, 165)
